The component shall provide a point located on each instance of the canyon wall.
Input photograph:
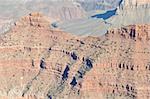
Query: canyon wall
(37, 61)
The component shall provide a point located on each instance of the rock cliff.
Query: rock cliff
(34, 19)
(37, 61)
(135, 2)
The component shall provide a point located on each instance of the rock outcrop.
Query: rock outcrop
(136, 32)
(37, 61)
(135, 2)
(126, 13)
(34, 19)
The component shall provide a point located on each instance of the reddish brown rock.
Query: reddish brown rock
(34, 19)
(41, 62)
(137, 32)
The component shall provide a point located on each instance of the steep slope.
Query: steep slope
(128, 12)
(37, 61)
(91, 5)
(132, 12)
(135, 2)
(59, 10)
(65, 14)
(23, 50)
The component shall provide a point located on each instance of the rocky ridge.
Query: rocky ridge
(37, 61)
(34, 19)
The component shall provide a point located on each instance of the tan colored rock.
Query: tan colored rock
(136, 2)
(137, 32)
(33, 62)
(34, 19)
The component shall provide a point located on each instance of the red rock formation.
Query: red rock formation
(34, 19)
(137, 32)
(37, 61)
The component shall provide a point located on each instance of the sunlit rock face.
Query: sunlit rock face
(91, 5)
(127, 12)
(135, 2)
(34, 19)
(131, 12)
(58, 11)
(75, 16)
(37, 61)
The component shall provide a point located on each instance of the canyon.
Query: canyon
(37, 61)
(41, 58)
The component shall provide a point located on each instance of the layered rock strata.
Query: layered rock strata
(37, 61)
